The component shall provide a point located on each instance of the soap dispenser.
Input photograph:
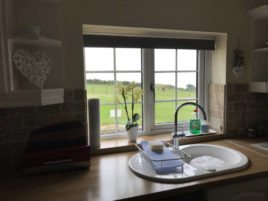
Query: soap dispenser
(195, 123)
(204, 127)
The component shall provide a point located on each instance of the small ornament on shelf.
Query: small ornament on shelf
(31, 32)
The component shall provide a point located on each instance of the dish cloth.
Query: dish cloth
(164, 167)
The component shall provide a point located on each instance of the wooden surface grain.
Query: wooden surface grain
(109, 178)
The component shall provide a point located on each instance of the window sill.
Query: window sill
(123, 145)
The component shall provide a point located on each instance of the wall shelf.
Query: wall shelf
(18, 91)
(259, 87)
(31, 97)
(260, 12)
(41, 41)
(258, 63)
(49, 1)
(264, 49)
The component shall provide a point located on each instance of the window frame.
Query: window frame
(147, 76)
(101, 30)
(203, 78)
(176, 99)
(114, 72)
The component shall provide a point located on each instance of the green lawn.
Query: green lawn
(164, 111)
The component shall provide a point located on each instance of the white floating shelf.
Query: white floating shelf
(264, 49)
(41, 41)
(259, 87)
(32, 97)
(49, 1)
(260, 12)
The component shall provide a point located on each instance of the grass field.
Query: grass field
(164, 111)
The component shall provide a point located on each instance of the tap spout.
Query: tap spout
(177, 111)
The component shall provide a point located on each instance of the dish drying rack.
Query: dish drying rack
(181, 155)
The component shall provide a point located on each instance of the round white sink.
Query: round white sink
(205, 160)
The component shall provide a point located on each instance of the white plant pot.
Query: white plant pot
(132, 134)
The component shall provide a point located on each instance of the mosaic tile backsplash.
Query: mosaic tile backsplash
(244, 109)
(232, 110)
(17, 123)
(216, 108)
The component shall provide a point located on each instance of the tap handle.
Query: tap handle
(181, 135)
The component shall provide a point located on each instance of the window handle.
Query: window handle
(152, 88)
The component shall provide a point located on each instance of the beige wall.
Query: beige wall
(218, 60)
(221, 16)
(224, 16)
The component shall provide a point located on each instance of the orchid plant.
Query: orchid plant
(133, 92)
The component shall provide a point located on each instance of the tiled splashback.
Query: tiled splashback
(232, 110)
(216, 108)
(17, 123)
(244, 109)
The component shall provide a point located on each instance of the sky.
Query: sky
(129, 59)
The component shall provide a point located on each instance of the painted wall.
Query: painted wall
(221, 16)
(208, 15)
(218, 60)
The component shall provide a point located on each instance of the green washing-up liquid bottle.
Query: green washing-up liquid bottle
(195, 124)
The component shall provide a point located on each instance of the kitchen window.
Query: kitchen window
(168, 75)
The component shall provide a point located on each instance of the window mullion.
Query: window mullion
(199, 74)
(115, 80)
(200, 80)
(206, 61)
(148, 81)
(176, 79)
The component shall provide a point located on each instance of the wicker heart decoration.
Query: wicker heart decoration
(35, 66)
(238, 71)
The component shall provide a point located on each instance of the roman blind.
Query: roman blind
(91, 40)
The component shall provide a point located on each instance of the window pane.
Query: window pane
(164, 59)
(101, 85)
(186, 113)
(186, 85)
(128, 59)
(98, 59)
(129, 77)
(164, 86)
(164, 112)
(187, 59)
(107, 119)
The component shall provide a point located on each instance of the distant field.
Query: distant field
(164, 112)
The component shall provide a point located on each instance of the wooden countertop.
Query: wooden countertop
(109, 178)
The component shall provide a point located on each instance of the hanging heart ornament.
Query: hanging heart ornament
(238, 71)
(35, 66)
